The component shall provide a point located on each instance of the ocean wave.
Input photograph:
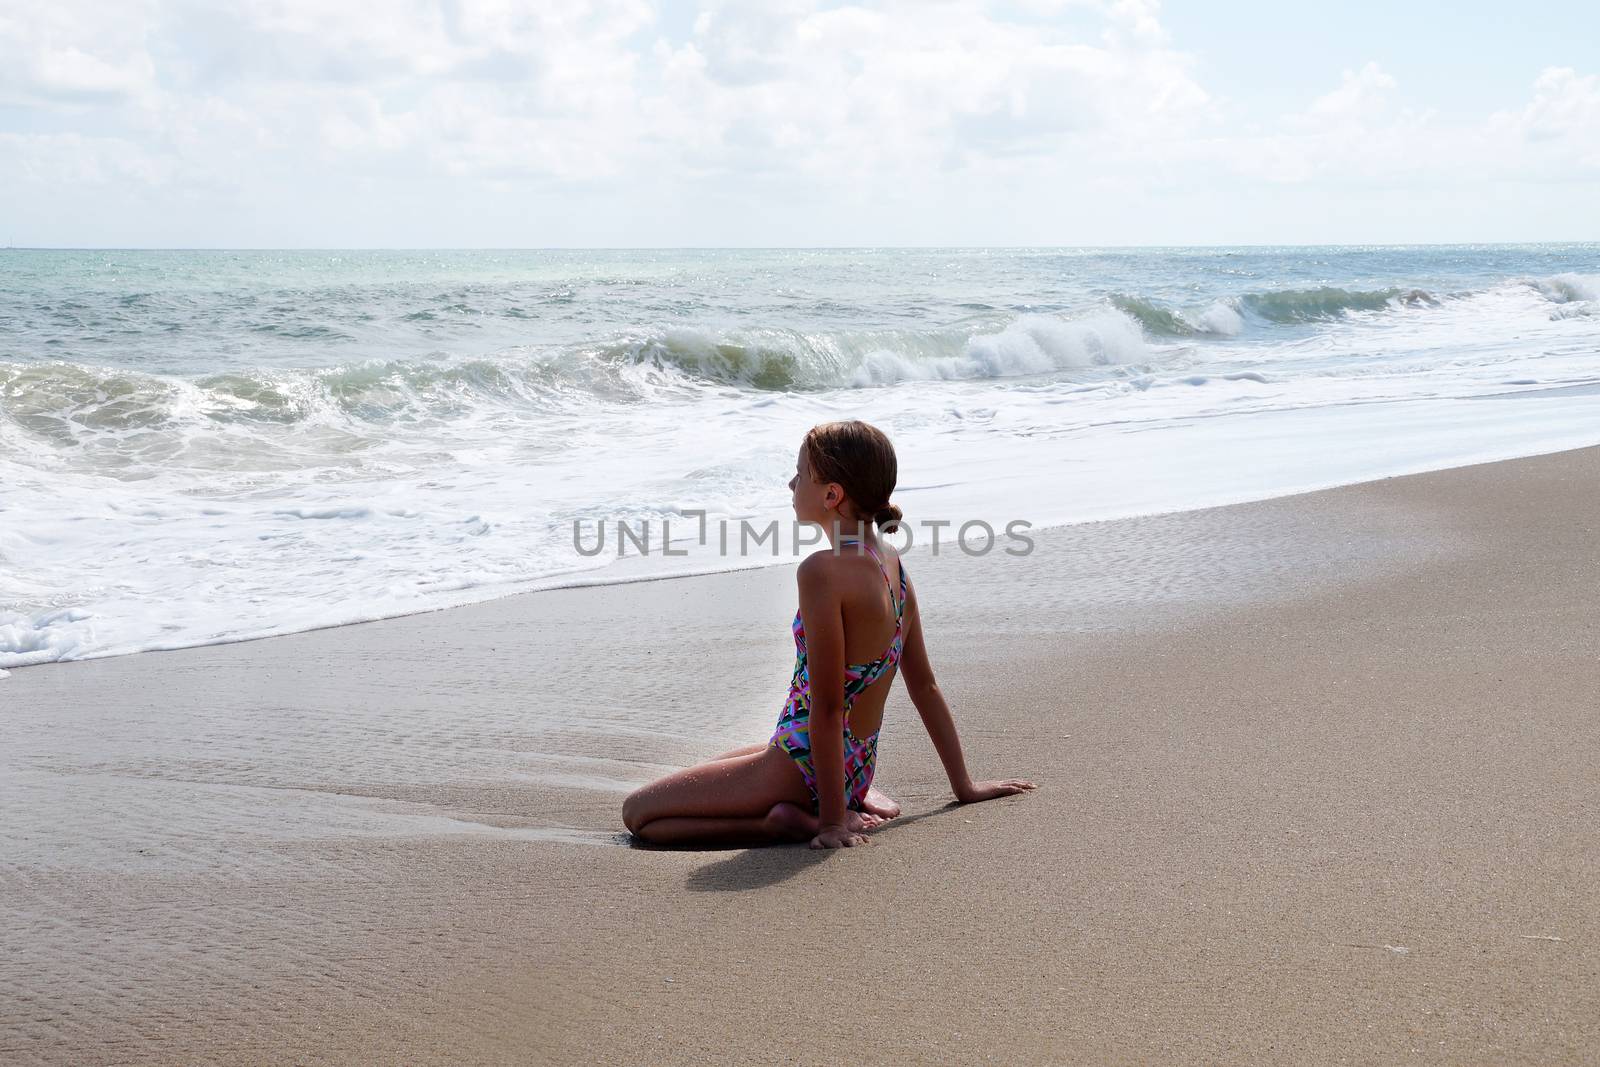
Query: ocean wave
(1585, 309)
(68, 403)
(1220, 318)
(763, 359)
(1226, 317)
(1329, 302)
(303, 331)
(785, 360)
(1568, 288)
(1030, 345)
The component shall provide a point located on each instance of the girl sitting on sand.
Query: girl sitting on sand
(814, 778)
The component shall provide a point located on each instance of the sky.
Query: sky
(696, 123)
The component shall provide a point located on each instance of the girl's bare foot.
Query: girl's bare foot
(881, 806)
(793, 823)
(862, 821)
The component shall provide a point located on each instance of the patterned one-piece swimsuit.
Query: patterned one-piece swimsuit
(860, 754)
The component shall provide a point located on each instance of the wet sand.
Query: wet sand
(1318, 783)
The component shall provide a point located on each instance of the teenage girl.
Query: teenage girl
(858, 621)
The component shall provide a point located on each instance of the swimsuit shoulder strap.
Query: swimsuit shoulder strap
(900, 607)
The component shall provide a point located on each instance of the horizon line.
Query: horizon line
(778, 248)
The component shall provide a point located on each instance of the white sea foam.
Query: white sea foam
(1221, 318)
(1031, 344)
(1563, 288)
(142, 510)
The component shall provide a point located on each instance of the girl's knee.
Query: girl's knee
(633, 812)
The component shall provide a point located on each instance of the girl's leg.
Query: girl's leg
(721, 801)
(676, 830)
(783, 822)
(746, 750)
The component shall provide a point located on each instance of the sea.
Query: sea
(208, 446)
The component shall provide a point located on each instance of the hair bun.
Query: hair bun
(887, 514)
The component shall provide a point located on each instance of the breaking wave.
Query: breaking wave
(1220, 318)
(64, 401)
(1569, 288)
(1227, 317)
(1327, 302)
(203, 447)
(792, 360)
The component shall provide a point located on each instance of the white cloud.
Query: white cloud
(577, 92)
(74, 161)
(1560, 126)
(74, 53)
(1138, 20)
(852, 92)
(1048, 107)
(1361, 132)
(1362, 93)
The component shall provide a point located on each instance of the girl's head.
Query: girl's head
(845, 472)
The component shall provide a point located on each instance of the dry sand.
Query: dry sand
(1318, 784)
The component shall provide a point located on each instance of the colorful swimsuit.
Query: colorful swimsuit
(860, 754)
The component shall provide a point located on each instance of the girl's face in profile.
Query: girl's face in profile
(810, 497)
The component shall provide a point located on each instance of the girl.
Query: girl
(813, 779)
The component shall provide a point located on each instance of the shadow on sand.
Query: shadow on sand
(765, 865)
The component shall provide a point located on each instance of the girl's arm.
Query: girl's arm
(822, 615)
(930, 704)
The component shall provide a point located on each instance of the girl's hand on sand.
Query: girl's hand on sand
(837, 837)
(989, 790)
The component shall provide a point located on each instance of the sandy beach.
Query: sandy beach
(1318, 783)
